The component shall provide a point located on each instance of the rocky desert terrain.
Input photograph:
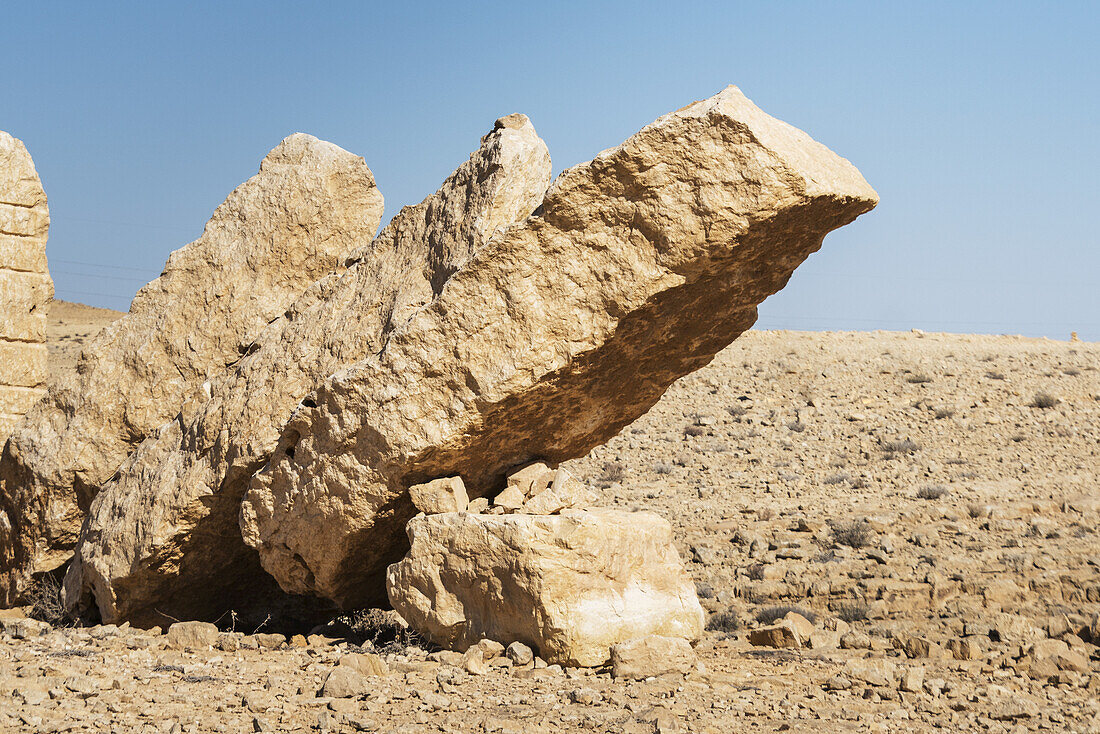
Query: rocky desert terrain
(69, 328)
(889, 532)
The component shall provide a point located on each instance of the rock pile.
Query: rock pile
(571, 583)
(309, 206)
(276, 459)
(178, 496)
(25, 287)
(636, 269)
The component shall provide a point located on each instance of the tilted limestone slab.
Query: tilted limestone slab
(25, 286)
(638, 267)
(163, 536)
(569, 585)
(311, 204)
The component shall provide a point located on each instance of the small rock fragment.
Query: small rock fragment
(651, 656)
(519, 653)
(364, 663)
(344, 681)
(192, 635)
(510, 499)
(446, 494)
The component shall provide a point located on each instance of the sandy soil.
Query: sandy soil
(931, 500)
(71, 325)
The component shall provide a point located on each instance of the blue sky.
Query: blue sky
(977, 122)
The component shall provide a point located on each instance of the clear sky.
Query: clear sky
(977, 122)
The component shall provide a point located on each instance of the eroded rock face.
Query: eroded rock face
(163, 536)
(25, 285)
(295, 221)
(638, 267)
(570, 585)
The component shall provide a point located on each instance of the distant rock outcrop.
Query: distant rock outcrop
(637, 268)
(25, 287)
(163, 536)
(311, 204)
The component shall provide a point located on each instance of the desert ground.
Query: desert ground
(930, 502)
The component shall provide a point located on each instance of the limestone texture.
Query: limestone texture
(295, 221)
(636, 269)
(163, 535)
(651, 656)
(569, 586)
(440, 495)
(25, 286)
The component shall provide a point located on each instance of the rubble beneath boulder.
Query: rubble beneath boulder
(25, 287)
(163, 535)
(636, 269)
(298, 219)
(570, 586)
(651, 656)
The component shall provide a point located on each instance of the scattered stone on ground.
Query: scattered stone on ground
(767, 501)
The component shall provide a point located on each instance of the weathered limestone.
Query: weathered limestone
(163, 535)
(651, 656)
(298, 219)
(638, 267)
(446, 494)
(569, 585)
(25, 285)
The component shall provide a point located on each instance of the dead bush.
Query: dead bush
(378, 627)
(901, 446)
(852, 533)
(1044, 400)
(852, 611)
(726, 622)
(932, 492)
(45, 602)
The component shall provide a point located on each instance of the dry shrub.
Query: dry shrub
(852, 533)
(902, 446)
(726, 622)
(853, 611)
(1044, 400)
(932, 492)
(44, 596)
(378, 627)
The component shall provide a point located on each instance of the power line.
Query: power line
(101, 295)
(125, 278)
(115, 223)
(98, 265)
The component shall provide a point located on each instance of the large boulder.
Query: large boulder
(25, 285)
(163, 535)
(311, 204)
(569, 585)
(637, 268)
